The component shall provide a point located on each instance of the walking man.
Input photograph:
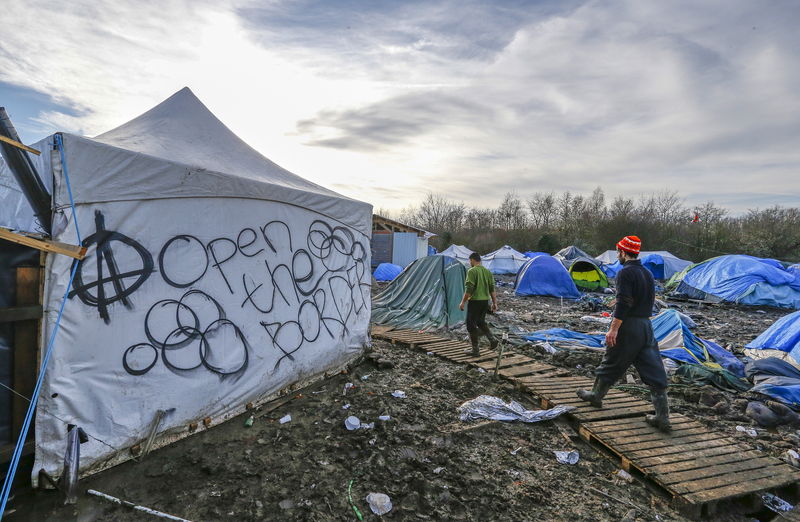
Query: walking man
(630, 339)
(478, 288)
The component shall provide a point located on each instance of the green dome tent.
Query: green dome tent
(587, 275)
(425, 295)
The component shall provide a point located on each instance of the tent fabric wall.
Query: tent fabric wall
(504, 260)
(404, 248)
(220, 289)
(426, 295)
(783, 336)
(569, 254)
(422, 247)
(545, 275)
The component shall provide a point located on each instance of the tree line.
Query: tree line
(549, 221)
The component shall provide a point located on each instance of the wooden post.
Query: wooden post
(26, 346)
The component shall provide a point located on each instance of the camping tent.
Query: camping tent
(569, 254)
(504, 260)
(662, 264)
(214, 279)
(587, 275)
(545, 275)
(530, 254)
(458, 252)
(425, 295)
(386, 272)
(740, 279)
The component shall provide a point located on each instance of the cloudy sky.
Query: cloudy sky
(385, 101)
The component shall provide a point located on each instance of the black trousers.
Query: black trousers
(476, 319)
(637, 346)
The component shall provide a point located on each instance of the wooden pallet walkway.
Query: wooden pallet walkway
(699, 468)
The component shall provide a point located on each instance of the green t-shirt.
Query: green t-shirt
(479, 283)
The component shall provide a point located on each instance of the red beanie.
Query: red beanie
(630, 244)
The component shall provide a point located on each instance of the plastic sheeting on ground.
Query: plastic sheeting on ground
(493, 408)
(504, 260)
(545, 275)
(675, 341)
(387, 272)
(700, 375)
(740, 279)
(783, 335)
(775, 378)
(425, 295)
(761, 369)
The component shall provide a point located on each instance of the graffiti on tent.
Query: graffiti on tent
(322, 279)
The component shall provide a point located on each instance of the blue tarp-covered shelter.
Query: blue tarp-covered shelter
(387, 272)
(740, 279)
(781, 340)
(545, 275)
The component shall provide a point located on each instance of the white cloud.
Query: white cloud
(387, 101)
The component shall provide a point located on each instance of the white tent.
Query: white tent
(214, 278)
(459, 252)
(504, 260)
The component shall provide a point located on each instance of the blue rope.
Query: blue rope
(12, 469)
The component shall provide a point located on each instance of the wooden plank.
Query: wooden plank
(505, 362)
(741, 488)
(676, 418)
(570, 396)
(545, 382)
(20, 313)
(653, 434)
(638, 411)
(56, 247)
(745, 477)
(26, 346)
(736, 466)
(519, 371)
(700, 463)
(664, 442)
(19, 145)
(699, 455)
(649, 430)
(686, 448)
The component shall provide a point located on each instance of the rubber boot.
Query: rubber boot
(474, 351)
(595, 397)
(660, 420)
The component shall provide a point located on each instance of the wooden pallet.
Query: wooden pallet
(699, 468)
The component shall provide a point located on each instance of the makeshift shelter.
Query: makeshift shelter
(587, 275)
(504, 260)
(458, 252)
(569, 254)
(425, 295)
(214, 279)
(530, 254)
(397, 243)
(661, 264)
(545, 275)
(387, 272)
(781, 340)
(739, 279)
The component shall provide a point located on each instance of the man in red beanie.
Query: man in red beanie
(630, 339)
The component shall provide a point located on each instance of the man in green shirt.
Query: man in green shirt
(478, 288)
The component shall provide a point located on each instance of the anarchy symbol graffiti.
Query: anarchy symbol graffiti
(94, 292)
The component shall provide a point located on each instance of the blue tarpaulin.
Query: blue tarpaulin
(675, 341)
(783, 335)
(661, 265)
(387, 272)
(743, 279)
(545, 275)
(530, 254)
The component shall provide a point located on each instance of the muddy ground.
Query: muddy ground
(432, 466)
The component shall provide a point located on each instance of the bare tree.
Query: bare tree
(542, 210)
